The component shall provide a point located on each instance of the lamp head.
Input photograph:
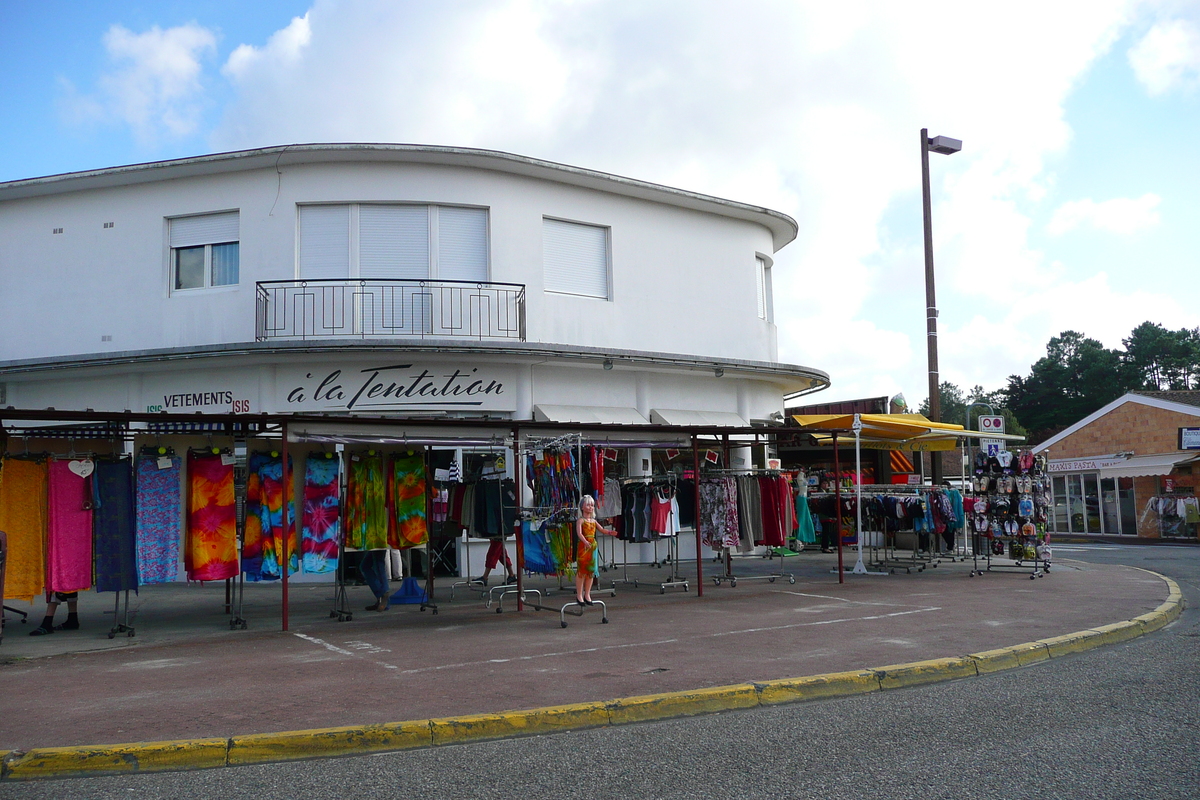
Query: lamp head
(944, 145)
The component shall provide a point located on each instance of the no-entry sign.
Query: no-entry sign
(989, 424)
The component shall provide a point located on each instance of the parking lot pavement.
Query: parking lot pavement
(186, 674)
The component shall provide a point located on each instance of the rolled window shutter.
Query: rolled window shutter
(324, 242)
(575, 258)
(462, 244)
(393, 242)
(205, 229)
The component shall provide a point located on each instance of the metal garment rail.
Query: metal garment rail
(725, 553)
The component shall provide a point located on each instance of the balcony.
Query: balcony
(369, 308)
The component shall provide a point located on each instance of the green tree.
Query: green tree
(1077, 376)
(1162, 359)
(955, 404)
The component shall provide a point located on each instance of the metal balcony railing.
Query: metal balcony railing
(369, 308)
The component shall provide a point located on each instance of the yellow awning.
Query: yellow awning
(913, 432)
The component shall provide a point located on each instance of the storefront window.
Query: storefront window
(1075, 502)
(1091, 503)
(1110, 507)
(1060, 505)
(1128, 506)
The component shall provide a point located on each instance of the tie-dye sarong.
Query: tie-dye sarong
(408, 502)
(272, 512)
(211, 550)
(113, 532)
(322, 522)
(158, 518)
(366, 504)
(252, 532)
(69, 528)
(23, 517)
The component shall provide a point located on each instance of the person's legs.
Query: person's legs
(587, 587)
(495, 548)
(579, 586)
(374, 571)
(72, 601)
(47, 625)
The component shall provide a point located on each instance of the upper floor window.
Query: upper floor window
(762, 275)
(393, 241)
(204, 250)
(575, 258)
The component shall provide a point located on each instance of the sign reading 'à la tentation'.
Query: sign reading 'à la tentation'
(398, 386)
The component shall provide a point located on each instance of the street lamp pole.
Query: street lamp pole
(944, 145)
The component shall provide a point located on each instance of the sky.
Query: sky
(1073, 205)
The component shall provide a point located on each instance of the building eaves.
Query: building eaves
(782, 227)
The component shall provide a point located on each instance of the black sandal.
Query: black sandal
(41, 630)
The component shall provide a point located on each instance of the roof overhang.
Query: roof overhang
(782, 227)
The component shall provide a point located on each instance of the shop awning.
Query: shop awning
(677, 416)
(1138, 466)
(913, 432)
(607, 414)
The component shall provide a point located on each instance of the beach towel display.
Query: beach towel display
(159, 510)
(210, 552)
(408, 527)
(366, 505)
(23, 517)
(113, 534)
(69, 525)
(322, 514)
(277, 520)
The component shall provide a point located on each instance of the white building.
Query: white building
(393, 279)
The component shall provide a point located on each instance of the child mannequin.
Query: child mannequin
(587, 567)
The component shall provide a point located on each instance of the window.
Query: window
(762, 276)
(575, 258)
(400, 242)
(204, 251)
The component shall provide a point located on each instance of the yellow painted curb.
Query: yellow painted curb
(996, 660)
(1118, 632)
(817, 687)
(553, 719)
(1069, 643)
(682, 704)
(63, 762)
(292, 745)
(915, 673)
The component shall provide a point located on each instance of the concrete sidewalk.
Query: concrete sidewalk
(186, 675)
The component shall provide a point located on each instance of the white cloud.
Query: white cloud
(284, 49)
(1168, 56)
(794, 106)
(1121, 215)
(153, 84)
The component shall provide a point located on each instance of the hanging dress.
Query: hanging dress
(69, 526)
(322, 514)
(159, 509)
(211, 552)
(23, 517)
(114, 527)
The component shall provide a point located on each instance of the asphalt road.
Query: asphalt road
(1120, 722)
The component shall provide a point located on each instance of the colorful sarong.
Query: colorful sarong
(322, 520)
(23, 517)
(211, 551)
(158, 519)
(253, 531)
(276, 518)
(366, 504)
(113, 532)
(69, 527)
(408, 502)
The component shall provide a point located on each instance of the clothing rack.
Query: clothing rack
(724, 554)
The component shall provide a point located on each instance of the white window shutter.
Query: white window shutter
(205, 229)
(324, 242)
(575, 258)
(393, 242)
(462, 244)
